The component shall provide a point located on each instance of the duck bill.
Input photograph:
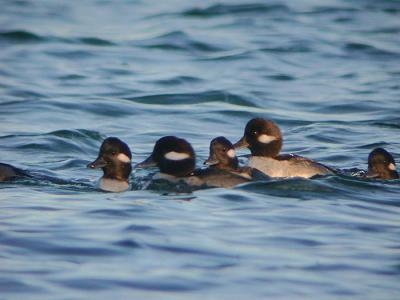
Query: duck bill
(211, 161)
(147, 163)
(242, 143)
(98, 163)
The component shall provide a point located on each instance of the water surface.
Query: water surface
(72, 74)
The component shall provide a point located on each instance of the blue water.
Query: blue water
(73, 73)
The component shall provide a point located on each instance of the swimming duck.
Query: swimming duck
(381, 164)
(264, 139)
(223, 157)
(8, 172)
(115, 160)
(176, 160)
(172, 155)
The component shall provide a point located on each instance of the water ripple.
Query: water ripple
(228, 9)
(189, 99)
(20, 36)
(177, 40)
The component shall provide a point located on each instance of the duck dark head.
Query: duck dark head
(381, 164)
(263, 138)
(222, 154)
(172, 155)
(114, 159)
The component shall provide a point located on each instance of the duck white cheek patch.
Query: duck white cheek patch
(123, 158)
(265, 139)
(231, 153)
(392, 167)
(176, 155)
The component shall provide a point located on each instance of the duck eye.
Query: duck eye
(114, 153)
(224, 149)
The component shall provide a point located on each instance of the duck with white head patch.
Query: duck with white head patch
(176, 160)
(115, 160)
(173, 156)
(381, 164)
(264, 139)
(223, 158)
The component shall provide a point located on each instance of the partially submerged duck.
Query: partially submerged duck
(8, 172)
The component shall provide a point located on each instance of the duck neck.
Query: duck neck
(383, 172)
(271, 149)
(231, 165)
(118, 172)
(181, 168)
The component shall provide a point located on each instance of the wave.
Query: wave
(65, 141)
(94, 41)
(24, 36)
(227, 9)
(357, 47)
(20, 36)
(193, 98)
(177, 40)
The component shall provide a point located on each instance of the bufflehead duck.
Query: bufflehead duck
(173, 156)
(115, 160)
(176, 160)
(223, 157)
(8, 172)
(381, 164)
(264, 139)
